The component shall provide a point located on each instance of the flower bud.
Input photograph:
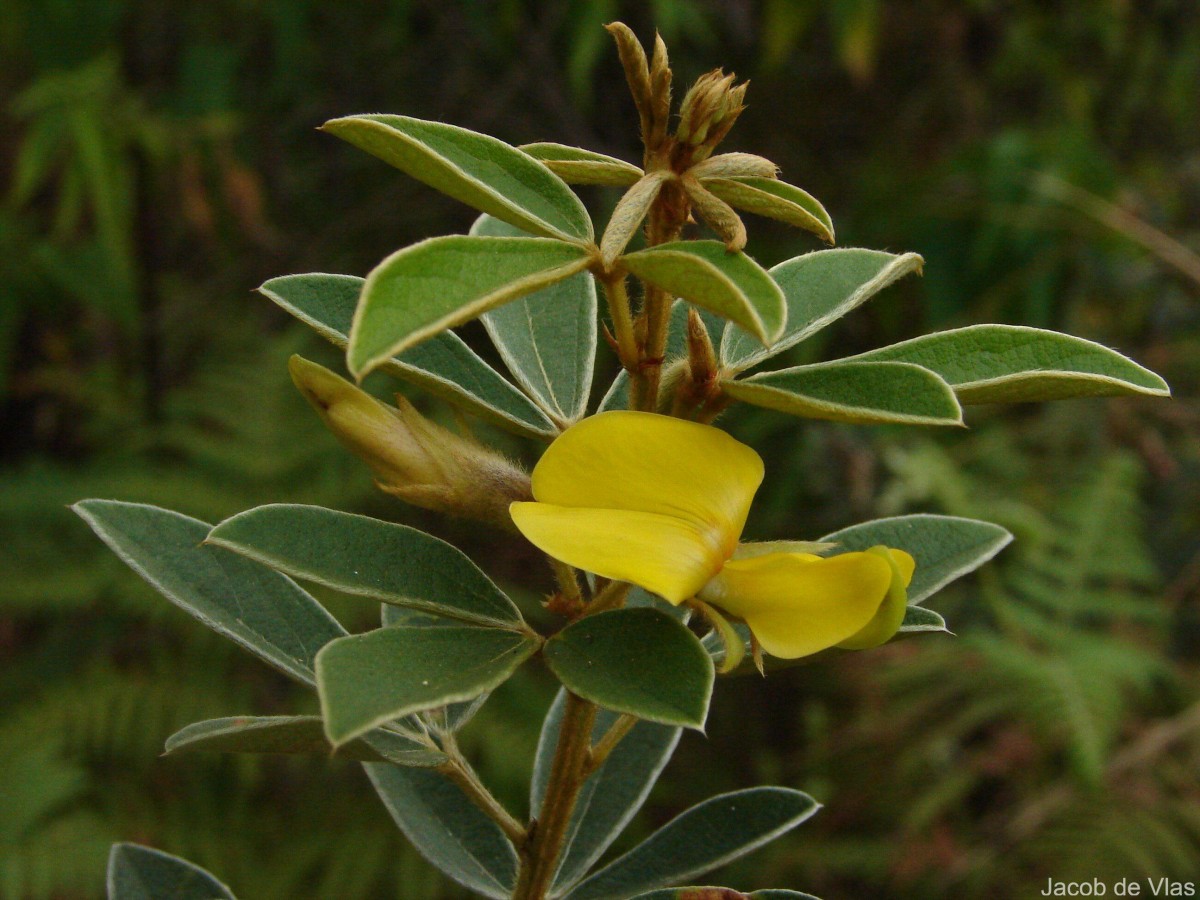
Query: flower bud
(414, 459)
(708, 111)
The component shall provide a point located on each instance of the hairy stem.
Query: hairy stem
(458, 770)
(568, 583)
(611, 597)
(608, 743)
(567, 774)
(665, 223)
(622, 318)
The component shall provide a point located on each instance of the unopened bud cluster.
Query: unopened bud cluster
(708, 111)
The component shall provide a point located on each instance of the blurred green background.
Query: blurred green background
(158, 161)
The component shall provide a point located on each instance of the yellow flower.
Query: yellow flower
(661, 502)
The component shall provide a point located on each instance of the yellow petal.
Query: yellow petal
(905, 563)
(653, 464)
(664, 554)
(890, 615)
(798, 603)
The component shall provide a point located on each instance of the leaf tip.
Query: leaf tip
(333, 126)
(359, 365)
(83, 508)
(1005, 539)
(1161, 388)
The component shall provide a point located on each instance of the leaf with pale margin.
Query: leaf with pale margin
(265, 612)
(450, 831)
(611, 796)
(295, 734)
(919, 620)
(476, 169)
(863, 393)
(708, 835)
(628, 215)
(368, 558)
(143, 873)
(776, 200)
(547, 338)
(944, 547)
(820, 288)
(368, 679)
(732, 285)
(637, 661)
(734, 165)
(443, 365)
(575, 165)
(617, 395)
(456, 715)
(445, 281)
(1016, 364)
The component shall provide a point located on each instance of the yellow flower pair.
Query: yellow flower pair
(661, 502)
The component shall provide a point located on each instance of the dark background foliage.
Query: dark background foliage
(158, 161)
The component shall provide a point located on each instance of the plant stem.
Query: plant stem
(608, 743)
(611, 597)
(567, 775)
(458, 770)
(622, 318)
(568, 583)
(665, 223)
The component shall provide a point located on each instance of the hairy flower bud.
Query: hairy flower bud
(414, 459)
(649, 82)
(709, 109)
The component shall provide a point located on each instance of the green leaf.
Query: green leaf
(450, 831)
(1015, 364)
(547, 338)
(445, 281)
(477, 169)
(456, 715)
(142, 873)
(611, 796)
(776, 200)
(866, 393)
(820, 288)
(295, 734)
(732, 285)
(918, 619)
(265, 612)
(708, 835)
(368, 679)
(628, 214)
(443, 365)
(369, 558)
(575, 165)
(944, 547)
(637, 661)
